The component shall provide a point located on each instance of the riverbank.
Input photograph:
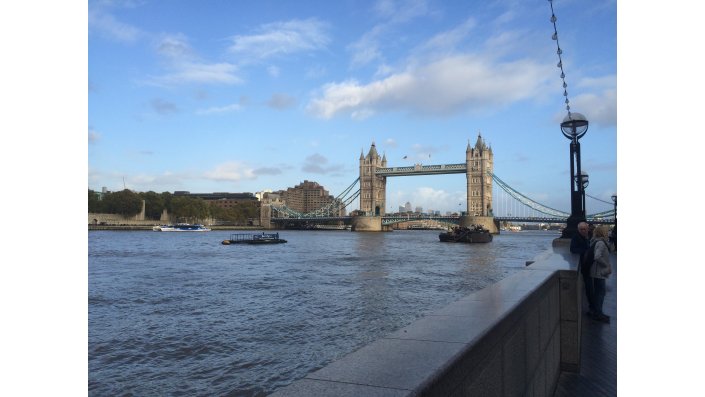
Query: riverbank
(149, 227)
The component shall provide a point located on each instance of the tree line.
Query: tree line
(186, 208)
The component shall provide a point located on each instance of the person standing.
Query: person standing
(580, 244)
(600, 271)
(613, 237)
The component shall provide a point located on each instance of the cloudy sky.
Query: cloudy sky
(244, 96)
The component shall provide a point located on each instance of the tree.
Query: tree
(167, 197)
(189, 208)
(95, 205)
(126, 203)
(153, 204)
(239, 214)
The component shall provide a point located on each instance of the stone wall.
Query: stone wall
(488, 222)
(115, 219)
(366, 224)
(509, 339)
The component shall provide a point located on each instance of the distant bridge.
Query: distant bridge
(326, 215)
(509, 205)
(447, 219)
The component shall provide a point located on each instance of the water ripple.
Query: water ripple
(180, 314)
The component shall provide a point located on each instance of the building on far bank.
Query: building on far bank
(260, 195)
(309, 196)
(271, 198)
(222, 200)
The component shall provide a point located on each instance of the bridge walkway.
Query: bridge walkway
(598, 356)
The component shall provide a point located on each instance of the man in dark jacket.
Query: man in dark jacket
(579, 244)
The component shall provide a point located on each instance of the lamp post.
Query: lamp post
(574, 127)
(584, 181)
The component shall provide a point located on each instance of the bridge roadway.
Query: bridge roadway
(419, 169)
(391, 219)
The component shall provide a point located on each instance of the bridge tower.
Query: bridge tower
(478, 161)
(373, 188)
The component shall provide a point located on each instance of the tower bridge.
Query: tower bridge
(477, 168)
(373, 174)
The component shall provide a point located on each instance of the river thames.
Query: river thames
(179, 314)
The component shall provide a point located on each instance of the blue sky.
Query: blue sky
(217, 96)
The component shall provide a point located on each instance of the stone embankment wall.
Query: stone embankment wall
(115, 219)
(510, 339)
(488, 222)
(366, 224)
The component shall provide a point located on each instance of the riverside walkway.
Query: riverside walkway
(598, 359)
(509, 339)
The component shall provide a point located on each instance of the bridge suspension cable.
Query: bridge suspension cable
(595, 198)
(527, 201)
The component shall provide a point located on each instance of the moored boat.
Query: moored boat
(244, 238)
(181, 227)
(473, 234)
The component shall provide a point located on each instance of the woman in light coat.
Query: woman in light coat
(601, 270)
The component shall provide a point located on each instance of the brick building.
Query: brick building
(309, 196)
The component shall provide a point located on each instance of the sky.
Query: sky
(245, 96)
(54, 90)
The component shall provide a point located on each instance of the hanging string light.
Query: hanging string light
(560, 59)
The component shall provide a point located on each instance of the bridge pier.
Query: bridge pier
(265, 216)
(488, 222)
(366, 224)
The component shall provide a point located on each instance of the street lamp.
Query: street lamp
(584, 181)
(574, 127)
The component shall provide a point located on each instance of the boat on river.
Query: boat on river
(181, 227)
(245, 238)
(472, 234)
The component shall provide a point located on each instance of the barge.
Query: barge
(244, 238)
(473, 234)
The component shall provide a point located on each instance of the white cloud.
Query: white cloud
(390, 142)
(428, 198)
(598, 104)
(231, 171)
(196, 72)
(448, 40)
(366, 49)
(598, 82)
(446, 86)
(394, 14)
(273, 71)
(185, 67)
(400, 11)
(166, 181)
(600, 108)
(174, 46)
(318, 164)
(281, 38)
(220, 109)
(106, 25)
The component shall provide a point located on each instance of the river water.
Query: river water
(179, 314)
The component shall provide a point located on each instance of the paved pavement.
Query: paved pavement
(598, 361)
